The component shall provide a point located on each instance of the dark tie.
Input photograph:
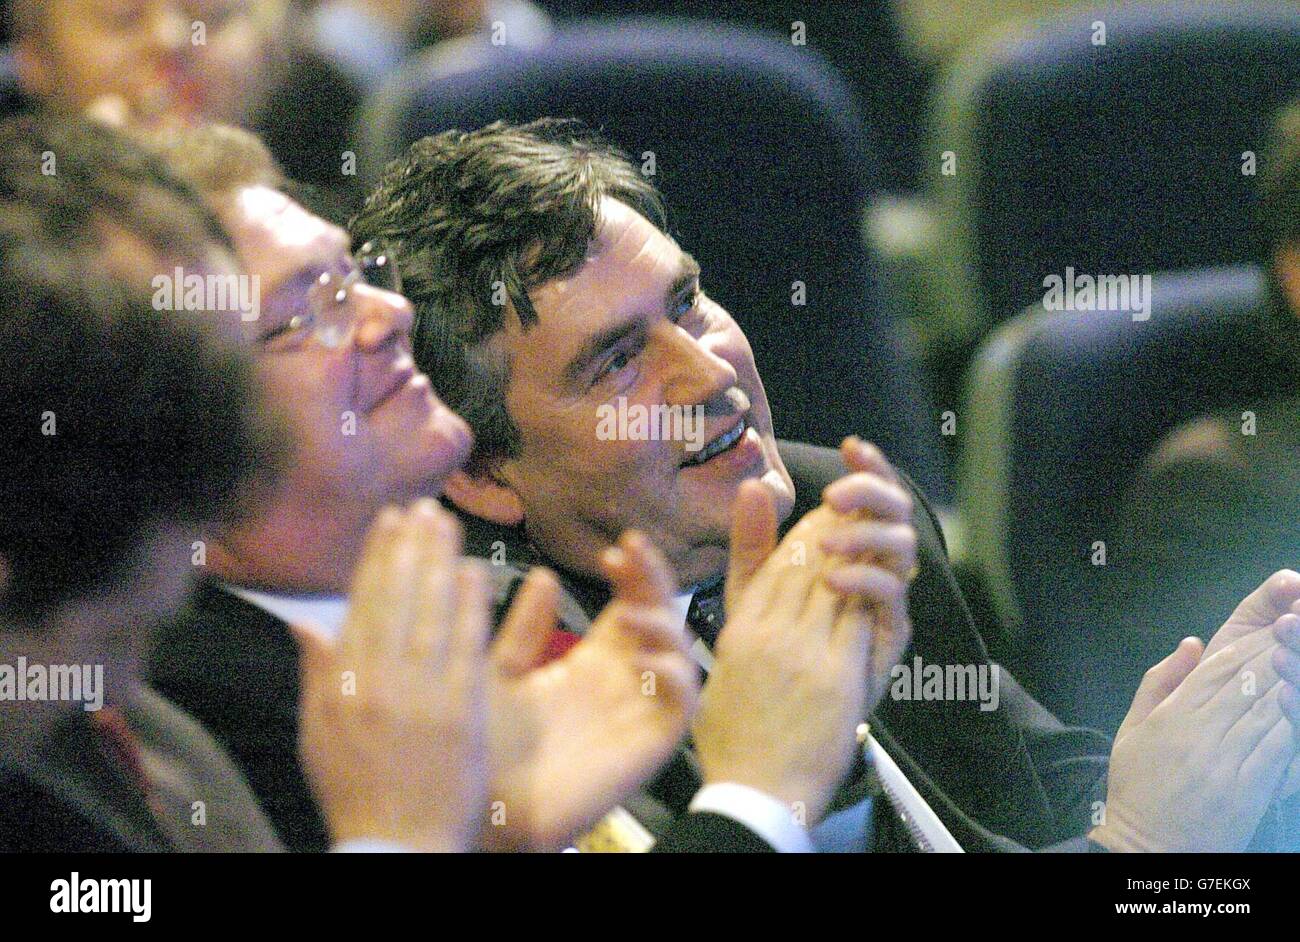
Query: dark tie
(706, 614)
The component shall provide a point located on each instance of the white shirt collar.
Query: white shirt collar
(325, 612)
(328, 612)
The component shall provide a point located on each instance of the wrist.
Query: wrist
(1119, 840)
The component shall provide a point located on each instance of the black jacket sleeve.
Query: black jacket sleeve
(703, 832)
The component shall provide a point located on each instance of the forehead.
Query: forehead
(629, 264)
(276, 237)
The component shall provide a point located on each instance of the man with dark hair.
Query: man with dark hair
(573, 728)
(130, 434)
(566, 323)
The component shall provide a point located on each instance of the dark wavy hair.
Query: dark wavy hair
(478, 215)
(117, 418)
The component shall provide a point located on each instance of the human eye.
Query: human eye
(615, 364)
(689, 313)
(288, 332)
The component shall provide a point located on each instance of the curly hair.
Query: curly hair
(479, 219)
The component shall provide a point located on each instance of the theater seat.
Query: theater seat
(1064, 407)
(1119, 157)
(766, 167)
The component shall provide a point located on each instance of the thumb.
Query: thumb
(1162, 679)
(753, 536)
(521, 643)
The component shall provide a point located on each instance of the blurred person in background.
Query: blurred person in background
(131, 432)
(369, 39)
(1214, 509)
(150, 61)
(135, 431)
(153, 64)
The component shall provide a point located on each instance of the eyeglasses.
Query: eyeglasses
(329, 313)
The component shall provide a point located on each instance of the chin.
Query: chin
(443, 457)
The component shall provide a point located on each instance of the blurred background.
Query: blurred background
(876, 190)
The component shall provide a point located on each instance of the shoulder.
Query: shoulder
(221, 643)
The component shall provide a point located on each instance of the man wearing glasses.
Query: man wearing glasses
(571, 731)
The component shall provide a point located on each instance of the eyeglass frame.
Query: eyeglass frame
(330, 329)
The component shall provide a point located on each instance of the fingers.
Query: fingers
(894, 543)
(1289, 701)
(1286, 658)
(315, 656)
(879, 586)
(640, 612)
(1265, 740)
(473, 617)
(638, 572)
(370, 597)
(753, 535)
(1261, 608)
(521, 643)
(433, 593)
(1274, 597)
(1222, 677)
(649, 628)
(671, 675)
(871, 493)
(1287, 630)
(1162, 679)
(864, 456)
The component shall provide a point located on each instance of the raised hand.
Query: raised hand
(813, 625)
(393, 716)
(1207, 742)
(573, 737)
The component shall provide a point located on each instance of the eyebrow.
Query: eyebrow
(688, 273)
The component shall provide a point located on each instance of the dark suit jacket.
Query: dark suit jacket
(1008, 779)
(1013, 778)
(235, 667)
(71, 795)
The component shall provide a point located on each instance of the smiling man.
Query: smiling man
(632, 324)
(546, 288)
(332, 351)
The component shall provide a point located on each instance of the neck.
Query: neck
(303, 548)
